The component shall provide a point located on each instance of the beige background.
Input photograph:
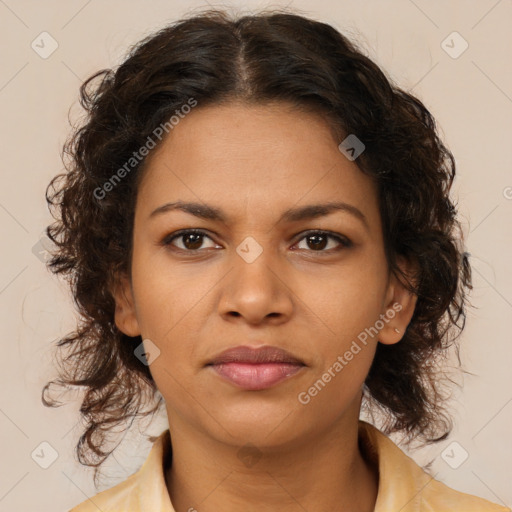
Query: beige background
(471, 97)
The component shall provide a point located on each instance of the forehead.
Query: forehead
(268, 157)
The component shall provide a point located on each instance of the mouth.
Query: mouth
(256, 369)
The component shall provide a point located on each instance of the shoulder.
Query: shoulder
(143, 491)
(124, 494)
(440, 498)
(405, 486)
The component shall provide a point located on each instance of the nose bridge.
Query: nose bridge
(256, 287)
(255, 262)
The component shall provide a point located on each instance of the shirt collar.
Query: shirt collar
(401, 480)
(154, 494)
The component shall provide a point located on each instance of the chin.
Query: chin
(263, 424)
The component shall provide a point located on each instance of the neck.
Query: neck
(324, 472)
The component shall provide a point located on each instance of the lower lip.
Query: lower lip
(256, 376)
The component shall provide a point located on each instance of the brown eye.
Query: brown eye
(317, 241)
(191, 240)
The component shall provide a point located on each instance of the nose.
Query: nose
(256, 292)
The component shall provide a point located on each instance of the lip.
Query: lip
(256, 368)
(262, 354)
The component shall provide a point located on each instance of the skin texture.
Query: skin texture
(253, 163)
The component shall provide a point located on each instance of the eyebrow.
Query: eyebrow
(301, 213)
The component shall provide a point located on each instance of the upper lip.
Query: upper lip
(263, 354)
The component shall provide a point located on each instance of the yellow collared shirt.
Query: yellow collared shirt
(403, 485)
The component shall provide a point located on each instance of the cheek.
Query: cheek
(347, 302)
(349, 306)
(345, 351)
(166, 294)
(337, 388)
(171, 313)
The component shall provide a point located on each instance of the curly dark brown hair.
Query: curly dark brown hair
(215, 57)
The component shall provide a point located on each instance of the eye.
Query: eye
(318, 241)
(192, 239)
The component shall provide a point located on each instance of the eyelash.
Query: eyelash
(343, 241)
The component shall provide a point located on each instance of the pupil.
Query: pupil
(197, 243)
(193, 241)
(315, 243)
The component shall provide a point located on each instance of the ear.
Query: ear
(399, 304)
(125, 314)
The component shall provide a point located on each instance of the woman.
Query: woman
(259, 236)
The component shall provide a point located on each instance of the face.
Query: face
(260, 269)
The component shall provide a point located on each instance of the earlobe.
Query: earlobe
(400, 306)
(125, 314)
